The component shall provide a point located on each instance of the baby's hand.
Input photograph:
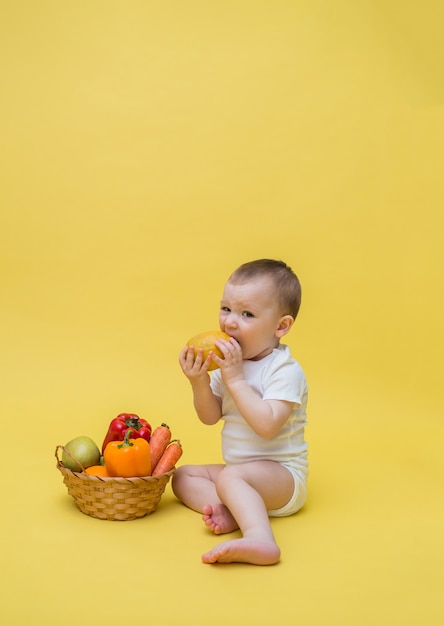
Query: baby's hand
(194, 367)
(232, 364)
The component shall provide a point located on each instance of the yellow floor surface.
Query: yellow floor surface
(148, 148)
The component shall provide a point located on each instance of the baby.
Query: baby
(260, 393)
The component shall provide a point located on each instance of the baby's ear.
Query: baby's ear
(285, 323)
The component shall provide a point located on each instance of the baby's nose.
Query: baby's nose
(230, 321)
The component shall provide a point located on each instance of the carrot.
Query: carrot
(169, 458)
(160, 438)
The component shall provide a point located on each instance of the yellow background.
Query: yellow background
(148, 148)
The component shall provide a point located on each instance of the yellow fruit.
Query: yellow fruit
(84, 450)
(96, 470)
(207, 341)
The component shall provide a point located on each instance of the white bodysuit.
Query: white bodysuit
(275, 377)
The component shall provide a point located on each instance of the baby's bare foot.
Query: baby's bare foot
(219, 519)
(252, 551)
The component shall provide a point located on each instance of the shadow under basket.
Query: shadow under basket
(114, 498)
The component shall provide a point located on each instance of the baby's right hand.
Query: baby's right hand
(194, 367)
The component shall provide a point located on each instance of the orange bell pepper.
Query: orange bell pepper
(128, 458)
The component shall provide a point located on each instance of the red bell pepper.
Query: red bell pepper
(120, 424)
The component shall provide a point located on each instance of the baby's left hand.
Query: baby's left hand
(231, 365)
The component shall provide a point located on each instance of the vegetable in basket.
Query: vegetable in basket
(169, 458)
(128, 458)
(120, 424)
(160, 438)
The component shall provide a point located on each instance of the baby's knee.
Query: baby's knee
(181, 477)
(225, 478)
(177, 479)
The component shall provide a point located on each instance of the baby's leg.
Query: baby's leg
(195, 485)
(244, 551)
(249, 491)
(219, 519)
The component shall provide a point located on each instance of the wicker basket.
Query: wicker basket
(113, 498)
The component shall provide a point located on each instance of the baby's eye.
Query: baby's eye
(247, 314)
(225, 308)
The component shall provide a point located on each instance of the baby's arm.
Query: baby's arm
(265, 417)
(208, 406)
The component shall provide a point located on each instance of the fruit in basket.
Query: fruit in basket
(80, 453)
(207, 341)
(96, 470)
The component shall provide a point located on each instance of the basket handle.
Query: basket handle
(82, 469)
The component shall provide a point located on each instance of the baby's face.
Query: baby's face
(250, 313)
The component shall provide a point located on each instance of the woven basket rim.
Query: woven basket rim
(108, 479)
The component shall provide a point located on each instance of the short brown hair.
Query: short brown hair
(287, 283)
